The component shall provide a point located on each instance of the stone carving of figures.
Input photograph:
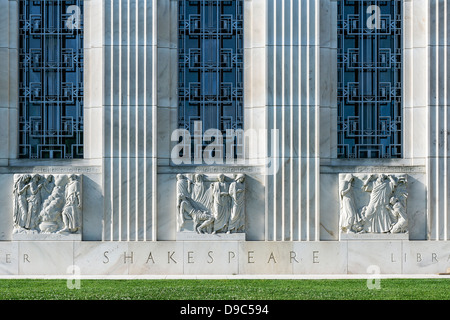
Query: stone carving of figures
(195, 210)
(348, 214)
(221, 207)
(398, 215)
(34, 201)
(183, 204)
(237, 194)
(71, 213)
(20, 205)
(53, 205)
(198, 190)
(46, 204)
(47, 187)
(377, 217)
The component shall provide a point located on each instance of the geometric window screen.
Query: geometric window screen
(51, 79)
(369, 79)
(210, 59)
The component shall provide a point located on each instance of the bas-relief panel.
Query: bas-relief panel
(210, 204)
(373, 203)
(47, 204)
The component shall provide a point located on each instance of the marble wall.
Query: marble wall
(171, 258)
(290, 87)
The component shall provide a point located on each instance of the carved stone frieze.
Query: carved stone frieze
(373, 203)
(210, 204)
(47, 204)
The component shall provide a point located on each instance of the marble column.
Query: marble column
(438, 120)
(293, 108)
(130, 126)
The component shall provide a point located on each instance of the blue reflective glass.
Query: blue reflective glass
(210, 57)
(50, 79)
(369, 79)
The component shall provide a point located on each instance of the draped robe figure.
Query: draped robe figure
(348, 213)
(71, 213)
(183, 204)
(377, 216)
(20, 205)
(237, 194)
(221, 208)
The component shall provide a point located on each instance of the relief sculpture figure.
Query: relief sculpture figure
(34, 201)
(188, 208)
(46, 204)
(377, 206)
(211, 206)
(221, 206)
(20, 205)
(71, 213)
(398, 215)
(237, 193)
(376, 216)
(349, 216)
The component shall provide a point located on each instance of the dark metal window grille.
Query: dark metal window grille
(369, 79)
(211, 54)
(51, 79)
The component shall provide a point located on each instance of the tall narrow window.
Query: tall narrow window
(210, 84)
(51, 79)
(369, 79)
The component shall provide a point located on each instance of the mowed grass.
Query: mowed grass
(389, 289)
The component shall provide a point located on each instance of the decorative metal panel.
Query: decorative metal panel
(51, 79)
(369, 79)
(211, 54)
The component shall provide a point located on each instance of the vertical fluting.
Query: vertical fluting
(293, 110)
(130, 110)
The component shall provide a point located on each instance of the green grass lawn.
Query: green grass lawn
(390, 289)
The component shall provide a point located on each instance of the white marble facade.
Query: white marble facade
(293, 180)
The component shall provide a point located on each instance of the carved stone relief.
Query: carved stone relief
(373, 203)
(47, 204)
(210, 205)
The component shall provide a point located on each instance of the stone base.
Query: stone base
(46, 237)
(194, 236)
(374, 236)
(167, 258)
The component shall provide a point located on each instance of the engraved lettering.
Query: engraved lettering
(190, 257)
(293, 256)
(434, 257)
(315, 256)
(107, 258)
(8, 258)
(170, 257)
(419, 257)
(211, 259)
(250, 257)
(150, 257)
(26, 257)
(272, 257)
(231, 255)
(392, 258)
(125, 257)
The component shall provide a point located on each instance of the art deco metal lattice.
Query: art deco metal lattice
(369, 79)
(210, 87)
(51, 79)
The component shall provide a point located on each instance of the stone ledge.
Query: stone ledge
(46, 237)
(193, 236)
(373, 236)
